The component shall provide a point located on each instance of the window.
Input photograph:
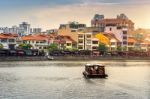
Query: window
(45, 47)
(110, 29)
(80, 41)
(119, 27)
(124, 32)
(80, 47)
(24, 41)
(124, 37)
(113, 43)
(3, 40)
(95, 42)
(42, 41)
(130, 44)
(125, 42)
(88, 41)
(11, 40)
(68, 44)
(88, 36)
(73, 30)
(94, 47)
(80, 36)
(79, 30)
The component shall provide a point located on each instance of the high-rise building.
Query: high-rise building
(24, 29)
(14, 29)
(4, 29)
(95, 22)
(36, 30)
(98, 17)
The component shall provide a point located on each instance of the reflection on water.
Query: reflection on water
(64, 80)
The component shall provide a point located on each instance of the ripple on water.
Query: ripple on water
(64, 80)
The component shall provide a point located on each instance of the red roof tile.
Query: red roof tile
(131, 40)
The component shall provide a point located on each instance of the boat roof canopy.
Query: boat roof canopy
(90, 65)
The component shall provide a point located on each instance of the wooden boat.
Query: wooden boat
(94, 71)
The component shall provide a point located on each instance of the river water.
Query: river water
(64, 80)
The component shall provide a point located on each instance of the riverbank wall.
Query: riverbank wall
(68, 58)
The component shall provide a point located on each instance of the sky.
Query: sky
(49, 14)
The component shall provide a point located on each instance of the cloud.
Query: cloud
(50, 13)
(13, 4)
(52, 17)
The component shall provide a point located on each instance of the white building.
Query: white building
(87, 42)
(121, 34)
(8, 41)
(40, 42)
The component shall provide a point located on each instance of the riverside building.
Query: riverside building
(8, 41)
(120, 21)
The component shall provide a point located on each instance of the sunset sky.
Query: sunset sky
(50, 13)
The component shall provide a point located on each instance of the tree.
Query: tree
(1, 46)
(119, 48)
(124, 48)
(53, 47)
(25, 46)
(102, 48)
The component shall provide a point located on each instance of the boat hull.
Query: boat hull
(86, 75)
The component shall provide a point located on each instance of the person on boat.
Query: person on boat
(90, 70)
(101, 71)
(93, 70)
(97, 70)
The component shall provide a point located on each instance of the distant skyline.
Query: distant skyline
(49, 14)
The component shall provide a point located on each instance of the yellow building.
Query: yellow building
(109, 40)
(103, 39)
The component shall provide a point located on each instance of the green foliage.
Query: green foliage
(102, 47)
(119, 48)
(71, 49)
(74, 49)
(25, 46)
(124, 48)
(52, 47)
(1, 46)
